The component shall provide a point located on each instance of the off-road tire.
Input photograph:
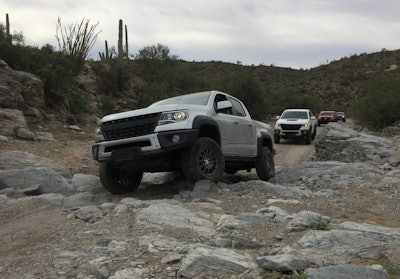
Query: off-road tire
(314, 134)
(265, 165)
(117, 181)
(277, 139)
(203, 160)
(308, 138)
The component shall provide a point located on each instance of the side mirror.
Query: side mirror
(277, 117)
(313, 118)
(224, 105)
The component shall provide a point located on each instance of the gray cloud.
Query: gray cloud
(288, 33)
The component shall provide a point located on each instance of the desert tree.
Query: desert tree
(76, 40)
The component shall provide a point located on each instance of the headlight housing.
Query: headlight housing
(304, 125)
(173, 117)
(98, 130)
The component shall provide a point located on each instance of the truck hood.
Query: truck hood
(143, 111)
(292, 121)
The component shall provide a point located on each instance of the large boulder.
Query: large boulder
(22, 91)
(340, 143)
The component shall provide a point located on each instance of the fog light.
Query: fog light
(175, 138)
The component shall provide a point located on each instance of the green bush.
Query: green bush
(379, 105)
(113, 75)
(250, 91)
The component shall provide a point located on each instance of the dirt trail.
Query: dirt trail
(291, 153)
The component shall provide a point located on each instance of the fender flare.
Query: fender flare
(265, 140)
(206, 121)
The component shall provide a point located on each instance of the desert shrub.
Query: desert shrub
(150, 93)
(113, 75)
(250, 91)
(379, 103)
(292, 97)
(107, 104)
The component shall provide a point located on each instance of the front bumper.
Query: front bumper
(288, 134)
(147, 146)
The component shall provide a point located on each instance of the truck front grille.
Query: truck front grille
(130, 127)
(289, 127)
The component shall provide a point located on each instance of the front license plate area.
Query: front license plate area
(126, 154)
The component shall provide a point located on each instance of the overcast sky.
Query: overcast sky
(284, 33)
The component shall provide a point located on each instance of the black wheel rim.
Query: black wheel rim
(207, 161)
(126, 177)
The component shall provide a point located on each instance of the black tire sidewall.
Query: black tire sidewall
(308, 138)
(109, 176)
(265, 166)
(190, 165)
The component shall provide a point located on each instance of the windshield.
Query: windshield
(326, 113)
(200, 98)
(294, 114)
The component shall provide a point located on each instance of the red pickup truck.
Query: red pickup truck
(324, 117)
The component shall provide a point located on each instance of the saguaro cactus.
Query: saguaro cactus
(126, 44)
(8, 35)
(120, 50)
(105, 56)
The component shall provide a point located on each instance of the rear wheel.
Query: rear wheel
(203, 160)
(265, 165)
(118, 181)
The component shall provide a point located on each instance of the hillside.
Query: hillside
(331, 86)
(335, 84)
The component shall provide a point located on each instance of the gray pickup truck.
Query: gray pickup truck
(202, 134)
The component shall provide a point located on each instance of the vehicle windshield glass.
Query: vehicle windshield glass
(294, 114)
(200, 98)
(326, 113)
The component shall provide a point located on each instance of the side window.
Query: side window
(219, 98)
(237, 108)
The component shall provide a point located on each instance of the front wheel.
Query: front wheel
(118, 181)
(265, 165)
(314, 134)
(308, 138)
(203, 160)
(277, 139)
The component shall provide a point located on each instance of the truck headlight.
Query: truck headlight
(304, 125)
(98, 130)
(173, 117)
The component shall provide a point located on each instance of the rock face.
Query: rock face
(21, 91)
(191, 235)
(21, 103)
(340, 143)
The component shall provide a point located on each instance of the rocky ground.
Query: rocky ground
(43, 240)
